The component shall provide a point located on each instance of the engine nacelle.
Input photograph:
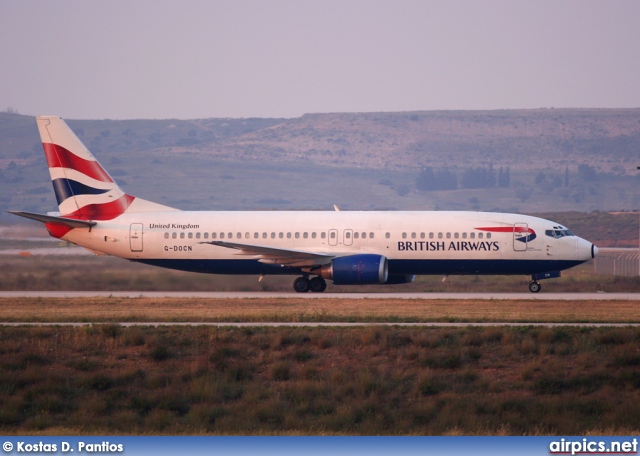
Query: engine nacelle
(356, 270)
(396, 279)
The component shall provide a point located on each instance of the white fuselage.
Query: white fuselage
(413, 242)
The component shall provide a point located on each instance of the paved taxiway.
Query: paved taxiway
(270, 295)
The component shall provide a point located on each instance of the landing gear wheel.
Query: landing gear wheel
(317, 285)
(534, 287)
(301, 285)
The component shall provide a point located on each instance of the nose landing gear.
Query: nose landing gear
(534, 287)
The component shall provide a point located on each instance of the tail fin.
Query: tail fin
(83, 188)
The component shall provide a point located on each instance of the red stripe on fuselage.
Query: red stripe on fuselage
(59, 157)
(507, 229)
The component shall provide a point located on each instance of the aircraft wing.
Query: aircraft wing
(270, 255)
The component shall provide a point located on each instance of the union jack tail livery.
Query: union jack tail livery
(84, 190)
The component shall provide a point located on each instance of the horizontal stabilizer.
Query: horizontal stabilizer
(51, 219)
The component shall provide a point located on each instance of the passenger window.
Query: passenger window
(206, 235)
(190, 235)
(305, 235)
(273, 235)
(264, 235)
(247, 235)
(197, 235)
(230, 236)
(281, 235)
(174, 235)
(422, 235)
(413, 235)
(370, 235)
(347, 234)
(214, 235)
(404, 235)
(313, 235)
(323, 235)
(332, 235)
(181, 235)
(297, 235)
(256, 235)
(356, 235)
(440, 236)
(488, 235)
(456, 235)
(430, 235)
(221, 235)
(464, 235)
(387, 235)
(448, 235)
(364, 235)
(288, 235)
(472, 235)
(166, 235)
(480, 235)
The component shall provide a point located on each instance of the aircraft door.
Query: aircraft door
(333, 237)
(135, 237)
(520, 237)
(348, 237)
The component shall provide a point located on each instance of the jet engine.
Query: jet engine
(356, 270)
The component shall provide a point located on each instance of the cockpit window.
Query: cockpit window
(558, 233)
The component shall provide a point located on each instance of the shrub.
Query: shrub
(427, 386)
(160, 353)
(281, 371)
(112, 330)
(100, 382)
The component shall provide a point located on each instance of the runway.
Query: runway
(328, 324)
(277, 295)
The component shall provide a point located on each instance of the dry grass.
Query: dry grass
(114, 309)
(106, 379)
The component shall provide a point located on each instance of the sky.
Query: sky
(188, 59)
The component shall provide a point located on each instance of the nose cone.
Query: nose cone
(585, 250)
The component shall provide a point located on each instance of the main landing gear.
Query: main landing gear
(534, 287)
(304, 284)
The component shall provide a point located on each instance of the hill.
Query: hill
(554, 159)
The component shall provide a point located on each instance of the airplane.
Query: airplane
(345, 247)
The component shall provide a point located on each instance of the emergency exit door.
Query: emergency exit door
(135, 237)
